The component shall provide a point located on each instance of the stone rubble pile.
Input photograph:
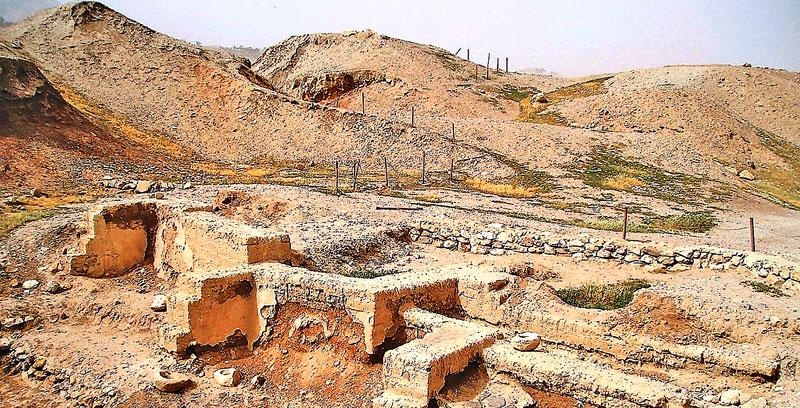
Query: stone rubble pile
(80, 387)
(498, 239)
(142, 186)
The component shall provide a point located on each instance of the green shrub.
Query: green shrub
(605, 297)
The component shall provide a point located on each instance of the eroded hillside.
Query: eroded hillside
(49, 144)
(209, 102)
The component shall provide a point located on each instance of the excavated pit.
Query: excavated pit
(236, 296)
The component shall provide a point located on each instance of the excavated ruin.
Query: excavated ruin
(241, 295)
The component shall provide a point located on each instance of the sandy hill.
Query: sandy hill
(49, 143)
(300, 101)
(709, 121)
(209, 102)
(394, 74)
(738, 116)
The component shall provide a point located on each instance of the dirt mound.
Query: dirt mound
(207, 101)
(395, 74)
(48, 143)
(743, 118)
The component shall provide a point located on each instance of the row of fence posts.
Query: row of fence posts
(488, 62)
(357, 163)
(751, 228)
(357, 169)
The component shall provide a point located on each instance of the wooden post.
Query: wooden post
(363, 104)
(452, 166)
(355, 174)
(467, 54)
(752, 236)
(497, 67)
(476, 71)
(386, 171)
(423, 167)
(459, 50)
(488, 61)
(454, 132)
(506, 65)
(625, 224)
(412, 116)
(336, 179)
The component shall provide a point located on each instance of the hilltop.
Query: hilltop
(50, 144)
(672, 140)
(208, 102)
(394, 74)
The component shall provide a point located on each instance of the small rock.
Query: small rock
(159, 196)
(159, 303)
(53, 287)
(14, 283)
(5, 345)
(747, 175)
(36, 193)
(258, 381)
(730, 397)
(755, 403)
(30, 284)
(227, 377)
(526, 341)
(143, 186)
(495, 402)
(187, 185)
(166, 381)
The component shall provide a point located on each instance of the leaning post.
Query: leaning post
(386, 171)
(336, 179)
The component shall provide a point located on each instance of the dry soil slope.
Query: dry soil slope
(207, 101)
(393, 73)
(731, 114)
(47, 143)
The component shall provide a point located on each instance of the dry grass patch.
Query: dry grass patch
(36, 208)
(537, 111)
(118, 124)
(605, 297)
(11, 220)
(501, 189)
(762, 287)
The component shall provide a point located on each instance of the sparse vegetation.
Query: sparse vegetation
(447, 58)
(780, 183)
(537, 111)
(762, 287)
(607, 169)
(33, 209)
(696, 221)
(515, 94)
(605, 297)
(366, 273)
(534, 181)
(12, 220)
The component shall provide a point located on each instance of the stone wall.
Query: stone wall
(497, 239)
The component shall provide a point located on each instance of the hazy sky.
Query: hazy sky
(569, 37)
